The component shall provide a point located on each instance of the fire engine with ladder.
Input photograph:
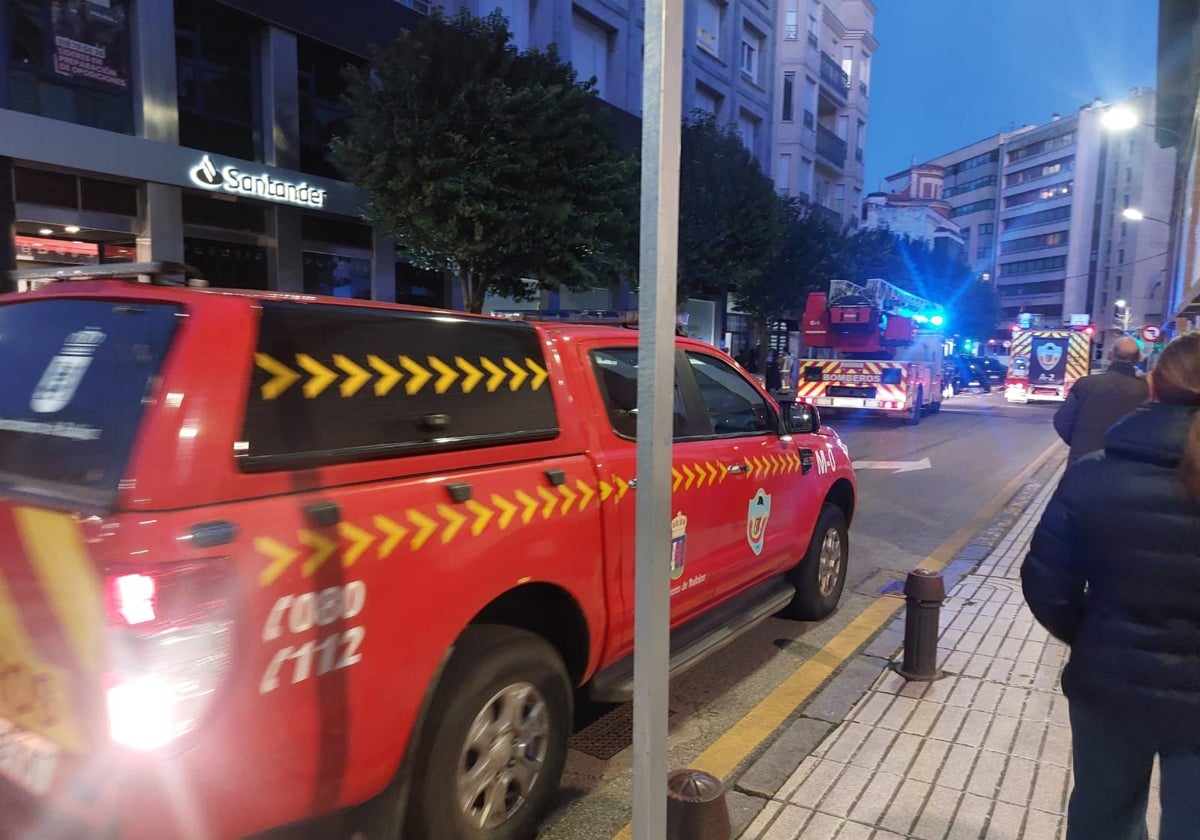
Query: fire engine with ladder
(872, 346)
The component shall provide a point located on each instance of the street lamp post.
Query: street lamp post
(1135, 215)
(1124, 316)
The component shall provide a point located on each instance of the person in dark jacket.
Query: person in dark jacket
(1113, 570)
(1096, 402)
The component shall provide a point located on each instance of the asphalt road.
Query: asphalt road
(918, 485)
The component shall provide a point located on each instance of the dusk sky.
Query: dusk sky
(950, 72)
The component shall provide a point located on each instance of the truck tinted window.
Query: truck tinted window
(77, 373)
(616, 371)
(339, 383)
(734, 405)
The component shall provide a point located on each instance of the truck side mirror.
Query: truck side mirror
(803, 419)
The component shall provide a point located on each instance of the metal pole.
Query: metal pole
(662, 72)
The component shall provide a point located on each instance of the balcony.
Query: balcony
(831, 147)
(834, 76)
(827, 214)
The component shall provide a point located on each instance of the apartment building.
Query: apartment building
(823, 85)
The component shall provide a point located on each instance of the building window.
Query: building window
(789, 94)
(589, 51)
(748, 127)
(322, 112)
(708, 100)
(783, 174)
(860, 139)
(751, 48)
(708, 26)
(337, 276)
(812, 31)
(516, 12)
(791, 30)
(217, 63)
(848, 62)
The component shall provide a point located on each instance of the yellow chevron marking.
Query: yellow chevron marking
(281, 558)
(321, 547)
(360, 541)
(419, 376)
(605, 491)
(483, 515)
(497, 375)
(622, 486)
(471, 374)
(519, 374)
(448, 375)
(776, 464)
(539, 374)
(395, 533)
(678, 477)
(750, 467)
(388, 375)
(687, 471)
(724, 471)
(424, 525)
(322, 377)
(712, 473)
(282, 376)
(551, 502)
(586, 493)
(530, 503)
(507, 509)
(569, 497)
(356, 377)
(700, 476)
(454, 521)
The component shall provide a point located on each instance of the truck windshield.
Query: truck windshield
(77, 373)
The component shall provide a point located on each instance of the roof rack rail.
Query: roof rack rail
(618, 317)
(159, 273)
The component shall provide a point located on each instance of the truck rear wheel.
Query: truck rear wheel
(821, 575)
(493, 749)
(914, 415)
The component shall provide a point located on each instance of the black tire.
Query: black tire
(817, 594)
(490, 662)
(914, 415)
(935, 407)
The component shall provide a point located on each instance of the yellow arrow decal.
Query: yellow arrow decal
(758, 467)
(551, 502)
(622, 486)
(605, 491)
(569, 497)
(282, 376)
(471, 374)
(586, 493)
(497, 375)
(712, 473)
(678, 476)
(424, 525)
(454, 521)
(700, 476)
(322, 377)
(687, 485)
(507, 509)
(388, 375)
(539, 373)
(724, 471)
(321, 547)
(448, 375)
(483, 515)
(519, 374)
(281, 558)
(530, 503)
(360, 541)
(356, 377)
(419, 376)
(394, 532)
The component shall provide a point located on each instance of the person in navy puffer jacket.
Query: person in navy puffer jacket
(1113, 570)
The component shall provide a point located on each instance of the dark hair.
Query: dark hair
(1176, 380)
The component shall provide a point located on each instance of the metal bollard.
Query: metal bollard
(696, 808)
(924, 591)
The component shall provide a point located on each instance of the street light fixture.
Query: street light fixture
(1124, 316)
(1136, 215)
(1123, 118)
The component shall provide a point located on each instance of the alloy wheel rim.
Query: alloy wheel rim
(829, 565)
(503, 755)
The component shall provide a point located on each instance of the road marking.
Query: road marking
(761, 722)
(897, 466)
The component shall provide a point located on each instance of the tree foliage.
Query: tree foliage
(730, 223)
(490, 163)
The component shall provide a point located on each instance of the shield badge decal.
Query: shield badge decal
(1048, 355)
(757, 514)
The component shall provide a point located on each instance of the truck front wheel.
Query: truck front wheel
(821, 575)
(492, 752)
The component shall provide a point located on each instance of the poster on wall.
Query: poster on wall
(91, 41)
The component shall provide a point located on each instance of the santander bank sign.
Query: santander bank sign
(231, 179)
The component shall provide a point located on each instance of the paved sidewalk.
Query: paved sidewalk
(982, 754)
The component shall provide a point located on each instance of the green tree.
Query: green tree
(806, 262)
(492, 164)
(730, 225)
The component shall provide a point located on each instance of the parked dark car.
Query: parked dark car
(967, 374)
(994, 368)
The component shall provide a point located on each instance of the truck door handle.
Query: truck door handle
(737, 469)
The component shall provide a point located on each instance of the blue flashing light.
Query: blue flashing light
(937, 320)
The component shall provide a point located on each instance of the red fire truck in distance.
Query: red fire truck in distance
(874, 347)
(1045, 363)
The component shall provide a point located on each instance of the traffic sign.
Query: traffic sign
(1151, 332)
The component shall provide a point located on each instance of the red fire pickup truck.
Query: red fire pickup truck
(269, 560)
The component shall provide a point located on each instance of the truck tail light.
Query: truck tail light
(169, 648)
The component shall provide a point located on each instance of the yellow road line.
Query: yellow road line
(724, 754)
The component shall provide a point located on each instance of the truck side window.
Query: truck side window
(616, 374)
(734, 405)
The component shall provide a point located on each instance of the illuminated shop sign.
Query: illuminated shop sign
(231, 179)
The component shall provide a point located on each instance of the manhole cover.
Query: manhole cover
(608, 735)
